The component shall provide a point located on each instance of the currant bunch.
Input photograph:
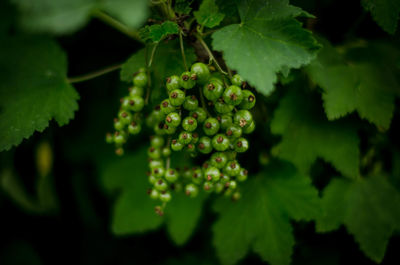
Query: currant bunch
(129, 121)
(215, 132)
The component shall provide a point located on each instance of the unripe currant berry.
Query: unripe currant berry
(232, 184)
(173, 119)
(176, 145)
(213, 90)
(158, 172)
(154, 153)
(242, 175)
(125, 116)
(202, 72)
(134, 128)
(154, 194)
(190, 148)
(159, 128)
(166, 107)
(191, 190)
(218, 160)
(119, 151)
(241, 145)
(212, 174)
(250, 128)
(119, 138)
(136, 91)
(165, 196)
(157, 141)
(199, 114)
(171, 175)
(133, 103)
(232, 168)
(204, 146)
(220, 142)
(195, 138)
(197, 176)
(249, 100)
(109, 138)
(233, 131)
(185, 137)
(187, 81)
(153, 163)
(166, 152)
(177, 97)
(223, 108)
(211, 126)
(169, 129)
(233, 95)
(158, 114)
(243, 118)
(173, 83)
(118, 125)
(189, 124)
(161, 185)
(236, 196)
(187, 173)
(237, 80)
(191, 103)
(208, 186)
(225, 120)
(140, 79)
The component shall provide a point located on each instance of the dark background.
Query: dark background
(80, 232)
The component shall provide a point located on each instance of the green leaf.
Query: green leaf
(67, 16)
(384, 12)
(134, 210)
(367, 207)
(260, 220)
(33, 91)
(268, 39)
(183, 6)
(365, 87)
(307, 135)
(157, 32)
(208, 14)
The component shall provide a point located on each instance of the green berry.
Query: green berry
(191, 190)
(189, 124)
(169, 129)
(136, 91)
(218, 160)
(213, 90)
(234, 131)
(166, 152)
(195, 138)
(224, 178)
(133, 103)
(161, 185)
(208, 186)
(118, 124)
(211, 126)
(171, 175)
(212, 174)
(166, 107)
(185, 137)
(241, 145)
(159, 128)
(249, 100)
(134, 128)
(191, 103)
(173, 119)
(199, 114)
(165, 196)
(158, 114)
(250, 128)
(187, 173)
(232, 168)
(219, 187)
(232, 184)
(154, 194)
(236, 196)
(237, 80)
(176, 145)
(153, 163)
(158, 172)
(154, 153)
(242, 175)
(140, 79)
(225, 120)
(157, 141)
(119, 151)
(220, 142)
(190, 148)
(125, 116)
(173, 83)
(204, 146)
(202, 72)
(243, 118)
(223, 108)
(197, 176)
(217, 79)
(187, 80)
(177, 97)
(233, 95)
(109, 138)
(119, 138)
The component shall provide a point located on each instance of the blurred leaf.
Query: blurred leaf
(67, 16)
(365, 87)
(32, 91)
(134, 210)
(267, 39)
(307, 135)
(368, 207)
(208, 14)
(260, 220)
(19, 252)
(183, 6)
(157, 32)
(384, 12)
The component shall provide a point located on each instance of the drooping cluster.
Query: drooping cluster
(128, 122)
(213, 130)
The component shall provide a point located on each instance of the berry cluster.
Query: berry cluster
(214, 131)
(129, 117)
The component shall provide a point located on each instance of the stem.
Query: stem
(203, 102)
(153, 51)
(210, 54)
(117, 25)
(183, 50)
(95, 74)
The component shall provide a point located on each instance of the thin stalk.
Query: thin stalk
(95, 74)
(203, 102)
(210, 54)
(183, 51)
